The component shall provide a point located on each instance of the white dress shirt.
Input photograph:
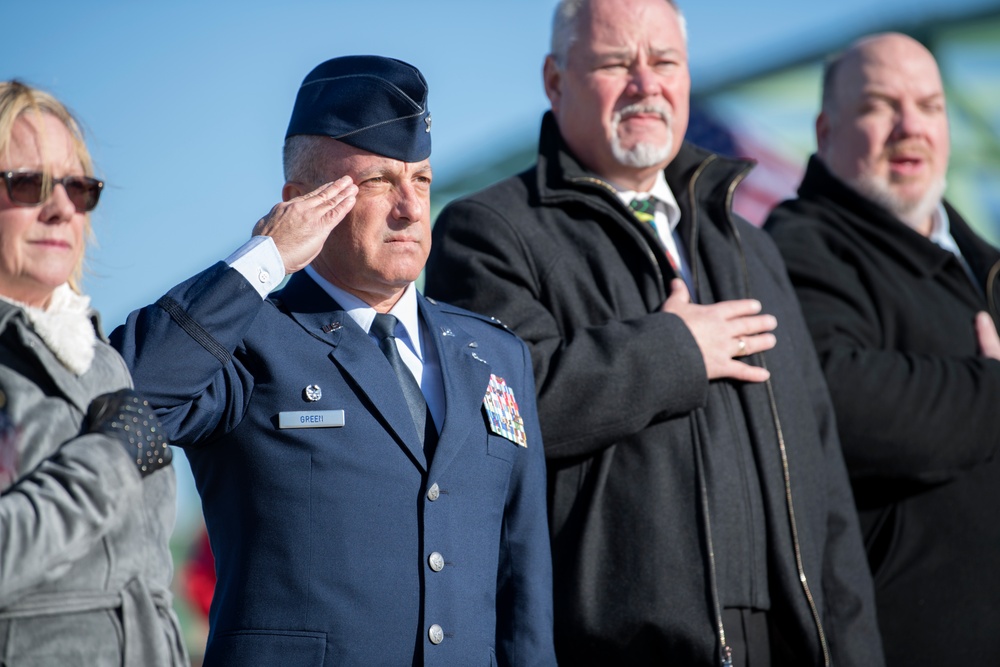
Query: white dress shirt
(941, 235)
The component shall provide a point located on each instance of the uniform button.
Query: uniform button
(436, 561)
(263, 276)
(435, 634)
(433, 493)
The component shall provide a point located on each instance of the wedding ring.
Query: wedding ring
(743, 347)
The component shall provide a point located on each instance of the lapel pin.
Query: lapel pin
(445, 331)
(333, 326)
(473, 344)
(313, 393)
(478, 358)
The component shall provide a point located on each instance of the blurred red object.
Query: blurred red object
(198, 574)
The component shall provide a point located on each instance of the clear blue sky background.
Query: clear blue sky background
(185, 103)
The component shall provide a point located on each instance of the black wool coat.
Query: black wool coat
(891, 314)
(629, 418)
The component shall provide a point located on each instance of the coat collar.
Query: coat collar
(892, 236)
(703, 184)
(76, 389)
(465, 374)
(982, 257)
(697, 176)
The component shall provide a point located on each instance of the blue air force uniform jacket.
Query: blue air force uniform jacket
(340, 545)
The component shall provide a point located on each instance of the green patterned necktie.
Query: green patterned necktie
(644, 210)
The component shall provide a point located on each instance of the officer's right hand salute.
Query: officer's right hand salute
(300, 224)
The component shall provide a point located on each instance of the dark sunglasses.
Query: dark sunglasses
(25, 189)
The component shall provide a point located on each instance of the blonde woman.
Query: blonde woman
(86, 492)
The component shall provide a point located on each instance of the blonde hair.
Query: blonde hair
(18, 99)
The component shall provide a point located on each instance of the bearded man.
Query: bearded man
(900, 297)
(699, 504)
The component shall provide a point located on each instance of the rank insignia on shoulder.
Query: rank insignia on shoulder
(501, 409)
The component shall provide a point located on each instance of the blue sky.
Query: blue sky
(185, 103)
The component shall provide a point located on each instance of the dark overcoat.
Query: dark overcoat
(892, 313)
(632, 426)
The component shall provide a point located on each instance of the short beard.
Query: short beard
(914, 214)
(644, 154)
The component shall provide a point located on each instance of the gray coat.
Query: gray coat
(84, 561)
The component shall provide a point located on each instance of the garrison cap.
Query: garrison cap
(373, 103)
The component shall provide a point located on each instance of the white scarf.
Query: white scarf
(65, 327)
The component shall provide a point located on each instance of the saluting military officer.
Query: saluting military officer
(369, 461)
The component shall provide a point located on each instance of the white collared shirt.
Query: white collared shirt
(259, 262)
(941, 235)
(667, 214)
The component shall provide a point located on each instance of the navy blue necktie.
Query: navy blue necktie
(384, 328)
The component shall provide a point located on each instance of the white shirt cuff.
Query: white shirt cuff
(259, 261)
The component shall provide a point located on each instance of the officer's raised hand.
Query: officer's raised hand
(300, 224)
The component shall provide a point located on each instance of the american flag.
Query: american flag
(774, 179)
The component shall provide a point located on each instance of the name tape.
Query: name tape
(311, 419)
